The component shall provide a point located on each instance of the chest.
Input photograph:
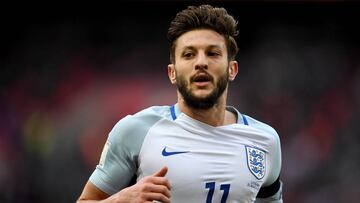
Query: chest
(204, 167)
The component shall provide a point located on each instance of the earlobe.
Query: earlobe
(233, 70)
(172, 73)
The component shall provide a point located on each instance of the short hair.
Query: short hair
(204, 17)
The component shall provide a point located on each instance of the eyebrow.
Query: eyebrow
(208, 47)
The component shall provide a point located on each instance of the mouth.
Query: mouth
(201, 79)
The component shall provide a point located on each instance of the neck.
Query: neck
(214, 116)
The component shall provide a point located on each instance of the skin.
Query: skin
(197, 52)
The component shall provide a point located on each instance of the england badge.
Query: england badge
(256, 161)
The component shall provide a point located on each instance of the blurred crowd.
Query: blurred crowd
(65, 83)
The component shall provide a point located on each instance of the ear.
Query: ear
(172, 73)
(233, 70)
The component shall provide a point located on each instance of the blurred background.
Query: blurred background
(69, 72)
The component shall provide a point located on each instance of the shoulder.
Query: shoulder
(134, 126)
(260, 125)
(144, 118)
(268, 130)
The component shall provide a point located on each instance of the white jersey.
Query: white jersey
(209, 164)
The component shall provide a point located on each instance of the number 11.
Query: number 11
(211, 187)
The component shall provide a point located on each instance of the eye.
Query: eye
(214, 53)
(188, 55)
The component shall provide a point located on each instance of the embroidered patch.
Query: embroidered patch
(256, 161)
(103, 154)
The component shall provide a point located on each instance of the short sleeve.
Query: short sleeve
(118, 159)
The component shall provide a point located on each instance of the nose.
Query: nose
(201, 61)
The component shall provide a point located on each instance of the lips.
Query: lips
(201, 78)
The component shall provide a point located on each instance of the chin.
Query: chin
(201, 95)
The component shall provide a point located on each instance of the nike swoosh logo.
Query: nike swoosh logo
(167, 153)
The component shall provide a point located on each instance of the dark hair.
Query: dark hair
(204, 17)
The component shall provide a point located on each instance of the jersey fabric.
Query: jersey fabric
(209, 164)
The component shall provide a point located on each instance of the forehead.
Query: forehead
(200, 39)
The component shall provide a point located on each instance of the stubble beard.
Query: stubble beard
(206, 102)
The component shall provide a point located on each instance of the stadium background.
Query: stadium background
(69, 73)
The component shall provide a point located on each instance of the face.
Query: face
(201, 70)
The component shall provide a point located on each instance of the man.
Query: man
(198, 150)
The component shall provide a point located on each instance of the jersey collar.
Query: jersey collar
(175, 112)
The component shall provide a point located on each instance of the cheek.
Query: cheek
(181, 79)
(224, 70)
(182, 71)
